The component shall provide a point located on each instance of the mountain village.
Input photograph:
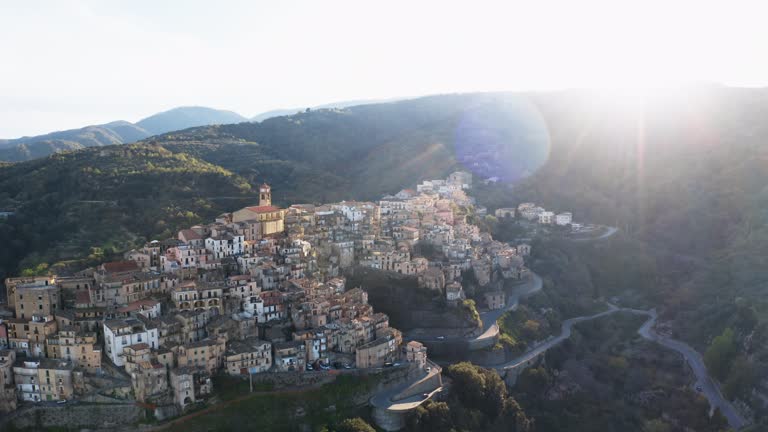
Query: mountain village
(261, 290)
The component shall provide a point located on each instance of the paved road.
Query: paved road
(708, 387)
(489, 318)
(609, 232)
(692, 357)
(565, 333)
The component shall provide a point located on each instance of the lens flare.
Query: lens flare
(508, 153)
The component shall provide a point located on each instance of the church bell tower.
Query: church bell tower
(265, 195)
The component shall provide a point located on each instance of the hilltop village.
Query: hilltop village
(258, 291)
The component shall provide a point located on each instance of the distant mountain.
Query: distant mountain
(187, 117)
(27, 148)
(117, 132)
(342, 104)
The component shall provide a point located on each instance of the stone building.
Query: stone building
(77, 346)
(28, 336)
(149, 380)
(290, 356)
(495, 300)
(433, 279)
(271, 219)
(37, 298)
(43, 379)
(7, 389)
(416, 352)
(251, 355)
(381, 350)
(189, 384)
(207, 354)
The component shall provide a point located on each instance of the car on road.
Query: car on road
(395, 364)
(425, 395)
(699, 389)
(388, 364)
(310, 368)
(347, 366)
(63, 401)
(441, 338)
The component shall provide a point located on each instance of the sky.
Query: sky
(67, 64)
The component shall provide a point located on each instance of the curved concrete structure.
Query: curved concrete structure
(391, 406)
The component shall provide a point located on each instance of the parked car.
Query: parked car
(441, 338)
(395, 364)
(388, 364)
(347, 366)
(62, 401)
(310, 368)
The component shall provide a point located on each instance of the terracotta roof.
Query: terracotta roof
(120, 266)
(263, 209)
(138, 346)
(83, 297)
(137, 305)
(190, 234)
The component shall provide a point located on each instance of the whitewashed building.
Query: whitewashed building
(123, 332)
(564, 218)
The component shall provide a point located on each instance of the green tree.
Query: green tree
(740, 379)
(354, 425)
(720, 353)
(656, 425)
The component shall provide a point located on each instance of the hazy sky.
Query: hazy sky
(67, 64)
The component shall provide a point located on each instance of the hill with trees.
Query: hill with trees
(91, 204)
(683, 174)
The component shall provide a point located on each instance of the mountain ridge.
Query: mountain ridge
(115, 132)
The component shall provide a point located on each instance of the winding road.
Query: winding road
(708, 387)
(609, 232)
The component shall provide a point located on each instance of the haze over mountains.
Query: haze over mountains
(117, 132)
(124, 132)
(563, 149)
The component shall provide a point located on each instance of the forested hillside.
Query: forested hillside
(685, 174)
(92, 203)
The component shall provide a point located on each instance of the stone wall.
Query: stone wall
(426, 385)
(74, 416)
(293, 379)
(282, 380)
(407, 305)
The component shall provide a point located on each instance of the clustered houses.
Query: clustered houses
(259, 290)
(532, 212)
(434, 217)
